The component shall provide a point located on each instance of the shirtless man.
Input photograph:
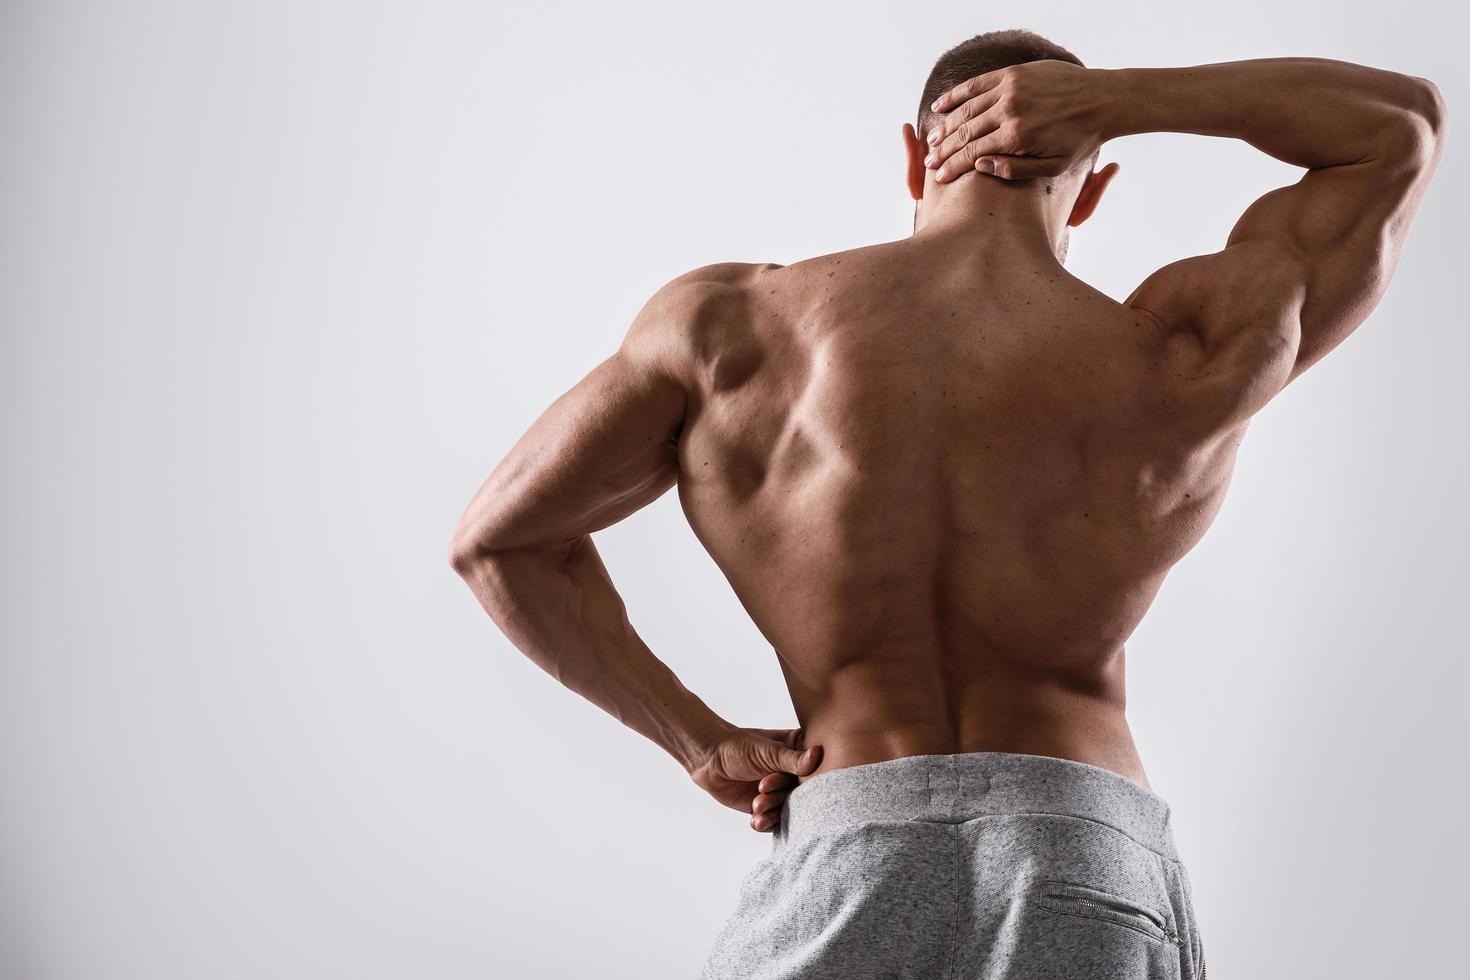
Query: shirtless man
(946, 479)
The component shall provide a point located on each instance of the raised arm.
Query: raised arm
(601, 451)
(1305, 264)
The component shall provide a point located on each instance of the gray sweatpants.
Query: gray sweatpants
(991, 865)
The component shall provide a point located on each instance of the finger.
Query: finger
(765, 822)
(774, 781)
(960, 115)
(772, 755)
(962, 135)
(767, 801)
(967, 89)
(964, 159)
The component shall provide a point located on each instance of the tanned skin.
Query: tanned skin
(945, 477)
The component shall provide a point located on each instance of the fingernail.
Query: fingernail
(933, 136)
(929, 160)
(941, 174)
(935, 104)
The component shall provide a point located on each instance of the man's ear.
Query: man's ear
(1091, 193)
(914, 153)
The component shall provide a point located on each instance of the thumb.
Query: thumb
(800, 762)
(1013, 167)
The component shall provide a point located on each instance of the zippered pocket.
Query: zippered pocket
(1069, 898)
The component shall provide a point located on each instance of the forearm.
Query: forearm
(1309, 112)
(559, 607)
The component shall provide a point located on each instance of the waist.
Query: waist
(863, 717)
(957, 787)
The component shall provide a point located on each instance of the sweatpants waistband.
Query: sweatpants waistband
(959, 787)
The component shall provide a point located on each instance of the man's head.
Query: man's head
(980, 54)
(985, 53)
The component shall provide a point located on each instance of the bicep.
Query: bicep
(604, 449)
(1225, 334)
(1341, 230)
(1301, 269)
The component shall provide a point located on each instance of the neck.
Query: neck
(985, 210)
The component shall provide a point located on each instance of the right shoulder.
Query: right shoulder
(724, 273)
(691, 318)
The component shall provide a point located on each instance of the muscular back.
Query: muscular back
(945, 488)
(945, 477)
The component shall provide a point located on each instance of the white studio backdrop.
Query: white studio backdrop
(280, 283)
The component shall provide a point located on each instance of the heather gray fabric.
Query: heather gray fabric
(990, 865)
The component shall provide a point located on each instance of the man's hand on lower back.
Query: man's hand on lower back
(1037, 119)
(753, 769)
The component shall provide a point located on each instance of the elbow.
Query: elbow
(461, 557)
(466, 551)
(487, 539)
(1430, 106)
(1429, 115)
(482, 531)
(1414, 138)
(475, 546)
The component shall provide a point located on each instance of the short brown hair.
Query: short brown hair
(980, 54)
